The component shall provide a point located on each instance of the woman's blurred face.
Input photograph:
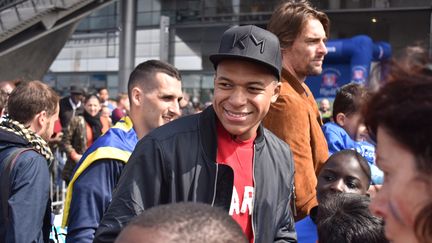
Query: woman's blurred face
(92, 106)
(403, 193)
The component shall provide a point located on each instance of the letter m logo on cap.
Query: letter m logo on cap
(239, 42)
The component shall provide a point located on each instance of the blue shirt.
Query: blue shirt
(338, 139)
(306, 230)
(96, 175)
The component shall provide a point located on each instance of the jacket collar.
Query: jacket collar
(294, 83)
(8, 138)
(208, 135)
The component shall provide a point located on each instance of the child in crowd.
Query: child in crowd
(347, 131)
(345, 171)
(122, 108)
(105, 112)
(346, 218)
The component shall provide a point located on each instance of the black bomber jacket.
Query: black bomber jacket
(177, 162)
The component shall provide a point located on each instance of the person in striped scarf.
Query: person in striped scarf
(25, 206)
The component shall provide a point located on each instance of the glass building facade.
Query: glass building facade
(91, 56)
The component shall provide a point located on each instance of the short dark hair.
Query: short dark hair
(349, 99)
(101, 88)
(289, 19)
(192, 222)
(143, 74)
(30, 98)
(345, 218)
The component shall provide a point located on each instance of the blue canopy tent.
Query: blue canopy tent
(348, 60)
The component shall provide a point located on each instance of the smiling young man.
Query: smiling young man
(221, 156)
(154, 91)
(294, 117)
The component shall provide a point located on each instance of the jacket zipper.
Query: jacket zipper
(293, 199)
(253, 196)
(215, 183)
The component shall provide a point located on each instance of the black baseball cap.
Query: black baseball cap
(76, 90)
(252, 43)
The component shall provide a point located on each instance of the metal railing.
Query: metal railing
(57, 195)
(57, 184)
(17, 6)
(9, 3)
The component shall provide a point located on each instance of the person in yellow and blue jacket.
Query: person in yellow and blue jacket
(154, 91)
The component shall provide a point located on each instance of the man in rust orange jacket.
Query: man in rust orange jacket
(294, 117)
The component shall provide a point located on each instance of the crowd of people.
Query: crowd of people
(256, 165)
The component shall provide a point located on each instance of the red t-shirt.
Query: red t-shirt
(239, 156)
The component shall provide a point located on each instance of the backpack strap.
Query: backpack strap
(9, 163)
